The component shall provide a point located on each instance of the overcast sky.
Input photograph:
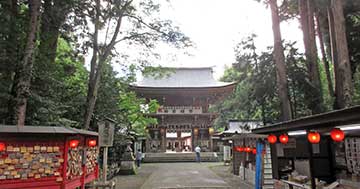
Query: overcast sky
(216, 26)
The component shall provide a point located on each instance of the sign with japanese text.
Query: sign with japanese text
(106, 134)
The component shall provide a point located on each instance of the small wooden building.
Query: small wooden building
(47, 157)
(311, 156)
(251, 159)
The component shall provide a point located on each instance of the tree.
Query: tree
(280, 63)
(256, 95)
(344, 85)
(24, 69)
(306, 10)
(59, 94)
(143, 32)
(320, 31)
(10, 33)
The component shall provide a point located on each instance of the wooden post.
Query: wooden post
(105, 158)
(178, 133)
(244, 159)
(311, 165)
(163, 139)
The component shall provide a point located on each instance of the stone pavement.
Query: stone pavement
(181, 176)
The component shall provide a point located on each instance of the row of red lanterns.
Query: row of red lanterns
(245, 149)
(336, 134)
(72, 144)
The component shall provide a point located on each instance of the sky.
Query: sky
(216, 26)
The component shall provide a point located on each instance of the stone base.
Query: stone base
(127, 168)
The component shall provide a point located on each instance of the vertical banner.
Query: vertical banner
(258, 167)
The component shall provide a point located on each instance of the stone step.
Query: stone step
(179, 157)
(267, 171)
(268, 182)
(268, 187)
(267, 166)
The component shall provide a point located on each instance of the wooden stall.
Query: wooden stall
(251, 159)
(317, 151)
(34, 157)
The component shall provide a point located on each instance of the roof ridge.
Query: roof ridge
(188, 68)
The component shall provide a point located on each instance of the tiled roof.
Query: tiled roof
(183, 78)
(44, 129)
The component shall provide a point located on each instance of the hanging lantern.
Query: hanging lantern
(240, 149)
(2, 146)
(211, 130)
(92, 143)
(196, 131)
(272, 139)
(337, 135)
(284, 138)
(247, 149)
(236, 148)
(314, 137)
(162, 131)
(73, 143)
(254, 151)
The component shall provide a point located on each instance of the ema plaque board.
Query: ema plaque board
(106, 134)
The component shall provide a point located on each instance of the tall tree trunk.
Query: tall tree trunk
(98, 59)
(324, 57)
(24, 71)
(92, 93)
(333, 48)
(279, 59)
(344, 85)
(306, 9)
(54, 15)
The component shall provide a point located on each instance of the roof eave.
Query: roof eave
(182, 88)
(328, 119)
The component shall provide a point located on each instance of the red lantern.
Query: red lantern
(92, 143)
(2, 146)
(272, 139)
(254, 150)
(337, 135)
(284, 138)
(314, 137)
(247, 149)
(74, 143)
(239, 149)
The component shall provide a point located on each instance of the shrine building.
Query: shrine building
(184, 120)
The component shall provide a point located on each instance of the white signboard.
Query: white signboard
(106, 134)
(227, 153)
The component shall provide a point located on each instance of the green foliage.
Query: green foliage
(256, 96)
(135, 112)
(58, 90)
(115, 101)
(353, 37)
